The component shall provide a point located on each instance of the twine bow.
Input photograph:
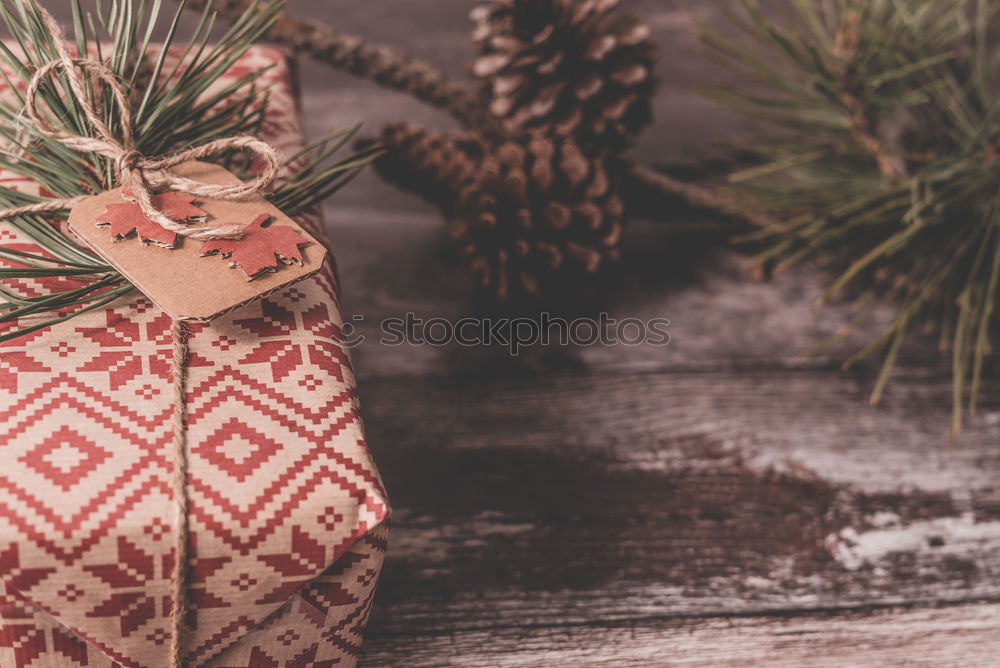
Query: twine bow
(137, 174)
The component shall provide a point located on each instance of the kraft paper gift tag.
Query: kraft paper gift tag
(196, 280)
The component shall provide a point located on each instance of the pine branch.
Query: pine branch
(701, 197)
(885, 159)
(851, 89)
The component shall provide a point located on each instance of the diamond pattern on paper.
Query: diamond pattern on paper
(287, 513)
(66, 458)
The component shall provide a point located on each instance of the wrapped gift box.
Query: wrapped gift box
(287, 513)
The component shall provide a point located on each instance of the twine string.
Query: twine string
(138, 175)
(178, 371)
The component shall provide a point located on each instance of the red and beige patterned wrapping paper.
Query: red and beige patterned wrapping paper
(287, 512)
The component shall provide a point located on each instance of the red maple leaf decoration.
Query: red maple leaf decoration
(261, 249)
(127, 218)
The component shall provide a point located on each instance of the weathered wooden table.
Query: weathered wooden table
(720, 501)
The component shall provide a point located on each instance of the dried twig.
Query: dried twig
(393, 68)
(355, 55)
(698, 196)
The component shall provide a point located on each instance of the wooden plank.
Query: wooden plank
(965, 636)
(585, 497)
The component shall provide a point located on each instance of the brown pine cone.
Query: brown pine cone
(431, 164)
(531, 217)
(567, 67)
(538, 217)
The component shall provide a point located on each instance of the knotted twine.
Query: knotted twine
(139, 176)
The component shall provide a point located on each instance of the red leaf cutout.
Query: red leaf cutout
(127, 218)
(176, 206)
(261, 249)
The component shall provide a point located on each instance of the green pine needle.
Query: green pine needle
(173, 109)
(886, 163)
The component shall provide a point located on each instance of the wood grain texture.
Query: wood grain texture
(963, 636)
(586, 498)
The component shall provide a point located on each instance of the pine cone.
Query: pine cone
(567, 67)
(429, 163)
(533, 217)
